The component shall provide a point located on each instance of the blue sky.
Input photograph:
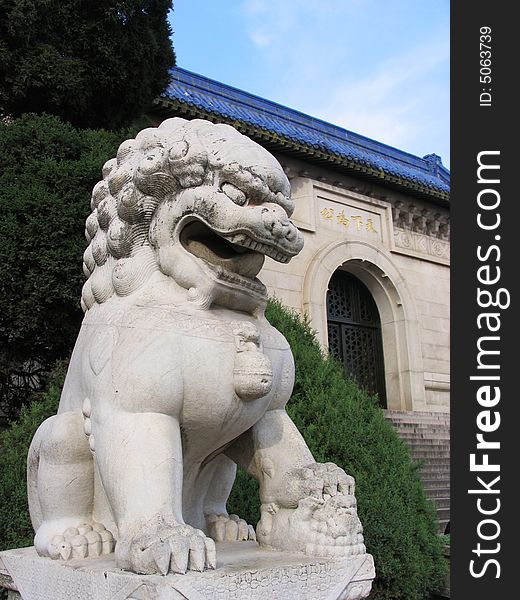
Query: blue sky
(376, 67)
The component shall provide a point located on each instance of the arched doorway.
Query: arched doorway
(354, 332)
(373, 266)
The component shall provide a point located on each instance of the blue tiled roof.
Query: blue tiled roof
(205, 96)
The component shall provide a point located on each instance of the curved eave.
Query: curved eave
(166, 106)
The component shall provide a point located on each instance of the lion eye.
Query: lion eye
(234, 193)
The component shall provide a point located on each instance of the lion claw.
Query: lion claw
(211, 553)
(60, 548)
(162, 554)
(179, 555)
(161, 548)
(251, 534)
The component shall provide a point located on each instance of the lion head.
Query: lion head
(197, 202)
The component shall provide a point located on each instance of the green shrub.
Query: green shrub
(15, 525)
(342, 424)
(47, 171)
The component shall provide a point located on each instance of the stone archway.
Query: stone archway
(404, 373)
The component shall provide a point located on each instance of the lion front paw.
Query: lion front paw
(229, 528)
(161, 548)
(89, 539)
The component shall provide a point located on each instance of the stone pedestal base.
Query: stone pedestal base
(244, 572)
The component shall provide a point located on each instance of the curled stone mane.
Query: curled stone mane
(158, 164)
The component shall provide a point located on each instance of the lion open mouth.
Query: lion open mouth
(235, 263)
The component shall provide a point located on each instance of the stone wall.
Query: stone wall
(399, 247)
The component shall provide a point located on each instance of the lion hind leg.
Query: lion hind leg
(61, 491)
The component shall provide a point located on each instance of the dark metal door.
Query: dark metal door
(354, 331)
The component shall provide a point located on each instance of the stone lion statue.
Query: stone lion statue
(176, 376)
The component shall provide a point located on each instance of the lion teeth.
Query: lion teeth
(234, 278)
(247, 242)
(238, 239)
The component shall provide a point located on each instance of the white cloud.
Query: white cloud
(260, 38)
(393, 103)
(255, 6)
(327, 58)
(364, 107)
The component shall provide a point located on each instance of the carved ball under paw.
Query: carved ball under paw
(229, 528)
(317, 480)
(160, 548)
(318, 527)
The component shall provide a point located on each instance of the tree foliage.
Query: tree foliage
(95, 63)
(47, 171)
(342, 424)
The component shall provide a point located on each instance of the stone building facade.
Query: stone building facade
(374, 273)
(398, 249)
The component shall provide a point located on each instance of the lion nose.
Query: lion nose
(278, 224)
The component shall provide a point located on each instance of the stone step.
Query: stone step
(434, 473)
(425, 435)
(413, 441)
(415, 418)
(429, 452)
(434, 465)
(434, 462)
(430, 474)
(427, 443)
(422, 441)
(441, 503)
(436, 488)
(438, 494)
(421, 427)
(420, 450)
(421, 454)
(441, 492)
(417, 414)
(442, 525)
(427, 471)
(443, 514)
(436, 482)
